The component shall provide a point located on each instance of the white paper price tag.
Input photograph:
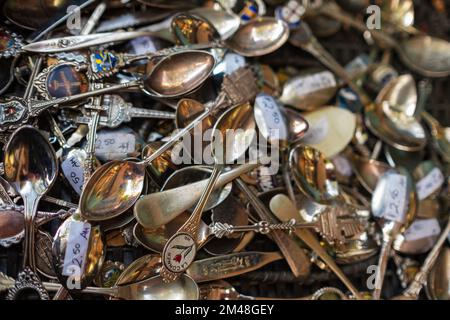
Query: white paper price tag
(143, 45)
(430, 183)
(317, 132)
(394, 198)
(114, 145)
(269, 117)
(233, 61)
(342, 165)
(422, 228)
(314, 82)
(77, 245)
(74, 173)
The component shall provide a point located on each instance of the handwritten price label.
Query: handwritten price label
(394, 198)
(314, 82)
(111, 145)
(271, 120)
(422, 228)
(77, 245)
(430, 183)
(73, 171)
(317, 132)
(233, 62)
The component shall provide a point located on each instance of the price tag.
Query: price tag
(269, 118)
(233, 62)
(342, 165)
(112, 145)
(430, 183)
(143, 45)
(422, 228)
(314, 82)
(394, 198)
(74, 172)
(317, 132)
(77, 245)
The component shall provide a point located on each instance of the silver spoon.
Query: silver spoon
(31, 168)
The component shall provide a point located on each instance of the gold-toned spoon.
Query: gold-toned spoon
(31, 168)
(181, 249)
(116, 186)
(368, 171)
(440, 142)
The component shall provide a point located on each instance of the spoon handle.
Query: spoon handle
(333, 11)
(230, 265)
(36, 107)
(30, 206)
(382, 265)
(416, 285)
(189, 228)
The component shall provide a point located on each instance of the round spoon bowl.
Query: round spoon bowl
(259, 36)
(180, 73)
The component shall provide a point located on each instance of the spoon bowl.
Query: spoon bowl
(259, 36)
(314, 173)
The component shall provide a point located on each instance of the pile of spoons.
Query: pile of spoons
(173, 130)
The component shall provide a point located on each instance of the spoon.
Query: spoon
(399, 13)
(76, 269)
(194, 174)
(225, 22)
(309, 89)
(401, 94)
(283, 208)
(426, 55)
(419, 238)
(429, 181)
(394, 203)
(260, 36)
(313, 173)
(414, 288)
(115, 186)
(153, 210)
(31, 168)
(173, 76)
(225, 150)
(303, 38)
(437, 285)
(222, 290)
(184, 288)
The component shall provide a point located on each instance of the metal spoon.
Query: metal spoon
(309, 89)
(116, 186)
(258, 37)
(394, 202)
(173, 76)
(303, 38)
(31, 168)
(424, 54)
(313, 173)
(226, 149)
